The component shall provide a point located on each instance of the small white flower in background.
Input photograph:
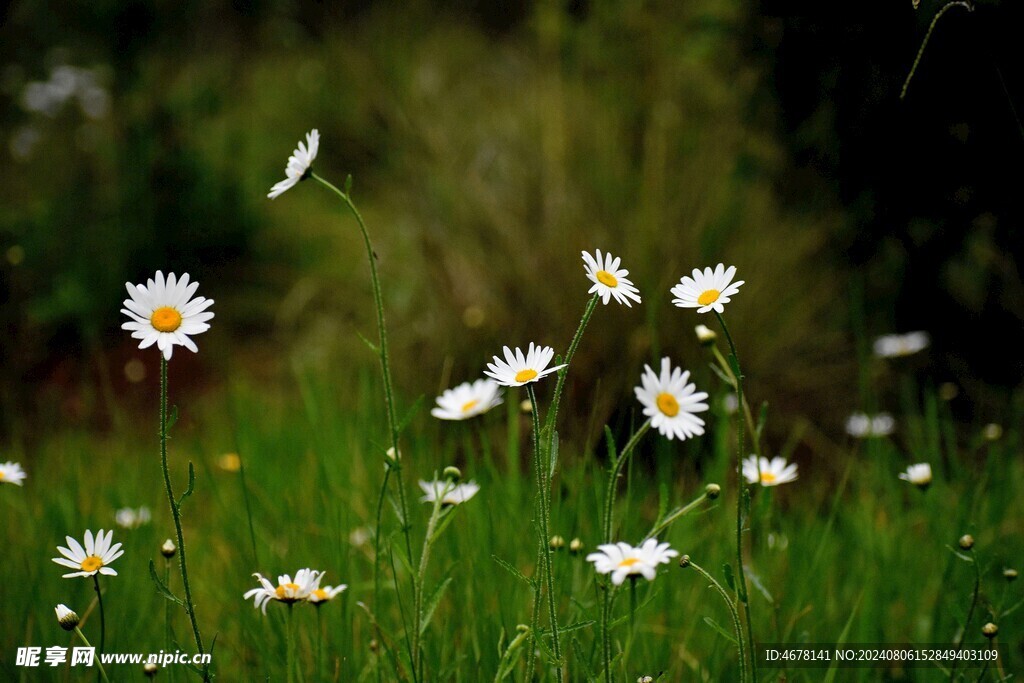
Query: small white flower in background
(11, 473)
(325, 594)
(898, 345)
(609, 280)
(162, 313)
(707, 290)
(919, 475)
(93, 558)
(450, 494)
(67, 619)
(731, 403)
(517, 369)
(862, 426)
(467, 400)
(622, 560)
(287, 590)
(299, 164)
(130, 518)
(360, 536)
(670, 402)
(772, 472)
(992, 432)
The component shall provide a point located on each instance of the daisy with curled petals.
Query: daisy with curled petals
(449, 493)
(707, 290)
(899, 345)
(622, 560)
(467, 400)
(670, 402)
(93, 558)
(517, 369)
(299, 164)
(287, 590)
(164, 313)
(770, 472)
(920, 475)
(321, 595)
(608, 279)
(11, 473)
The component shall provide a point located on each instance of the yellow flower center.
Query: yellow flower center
(606, 278)
(668, 404)
(282, 591)
(321, 594)
(469, 405)
(767, 478)
(165, 319)
(91, 563)
(526, 375)
(2, 475)
(708, 297)
(629, 561)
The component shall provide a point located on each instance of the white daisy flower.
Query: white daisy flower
(162, 312)
(11, 473)
(622, 560)
(130, 518)
(467, 400)
(299, 164)
(670, 402)
(287, 590)
(93, 558)
(608, 279)
(919, 475)
(450, 494)
(517, 369)
(772, 472)
(325, 594)
(862, 426)
(898, 345)
(707, 290)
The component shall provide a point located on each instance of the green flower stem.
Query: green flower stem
(319, 642)
(531, 649)
(556, 399)
(167, 613)
(543, 492)
(606, 638)
(732, 612)
(428, 542)
(103, 672)
(970, 610)
(613, 476)
(747, 415)
(290, 647)
(103, 618)
(927, 36)
(668, 521)
(741, 489)
(176, 514)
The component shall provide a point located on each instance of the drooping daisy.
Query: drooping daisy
(325, 594)
(920, 475)
(287, 590)
(898, 345)
(11, 473)
(130, 518)
(299, 164)
(450, 494)
(608, 279)
(707, 290)
(467, 400)
(772, 472)
(517, 369)
(863, 426)
(670, 402)
(163, 312)
(622, 560)
(94, 557)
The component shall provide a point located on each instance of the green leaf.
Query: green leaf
(513, 571)
(613, 452)
(762, 420)
(161, 587)
(721, 375)
(411, 413)
(734, 365)
(721, 631)
(553, 455)
(963, 556)
(730, 580)
(348, 183)
(432, 603)
(759, 585)
(446, 519)
(191, 484)
(831, 674)
(172, 417)
(373, 347)
(510, 659)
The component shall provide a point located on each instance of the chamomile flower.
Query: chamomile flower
(671, 402)
(707, 290)
(898, 345)
(920, 475)
(467, 400)
(163, 312)
(11, 473)
(325, 594)
(609, 280)
(66, 617)
(299, 164)
(450, 494)
(863, 426)
(94, 557)
(622, 560)
(130, 518)
(517, 369)
(771, 472)
(287, 590)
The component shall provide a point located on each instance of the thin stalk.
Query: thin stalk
(103, 672)
(103, 618)
(613, 476)
(732, 612)
(319, 643)
(421, 574)
(290, 653)
(556, 399)
(632, 617)
(606, 639)
(681, 512)
(531, 650)
(167, 612)
(970, 611)
(745, 406)
(927, 37)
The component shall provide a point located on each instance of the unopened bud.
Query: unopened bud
(453, 473)
(705, 335)
(684, 561)
(645, 679)
(168, 549)
(712, 491)
(992, 432)
(990, 630)
(575, 546)
(374, 645)
(557, 543)
(393, 455)
(966, 542)
(150, 669)
(526, 407)
(1010, 574)
(67, 619)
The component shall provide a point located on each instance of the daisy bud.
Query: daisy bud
(526, 407)
(684, 561)
(557, 543)
(992, 432)
(712, 491)
(1010, 574)
(393, 455)
(645, 679)
(168, 549)
(68, 620)
(575, 546)
(453, 473)
(966, 542)
(948, 391)
(150, 669)
(705, 335)
(374, 645)
(990, 630)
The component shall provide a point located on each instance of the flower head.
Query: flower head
(862, 426)
(325, 594)
(93, 558)
(670, 402)
(67, 619)
(608, 279)
(919, 475)
(287, 590)
(517, 369)
(897, 345)
(770, 473)
(130, 518)
(299, 164)
(11, 473)
(467, 400)
(622, 560)
(448, 492)
(163, 312)
(707, 290)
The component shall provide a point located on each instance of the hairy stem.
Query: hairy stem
(732, 612)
